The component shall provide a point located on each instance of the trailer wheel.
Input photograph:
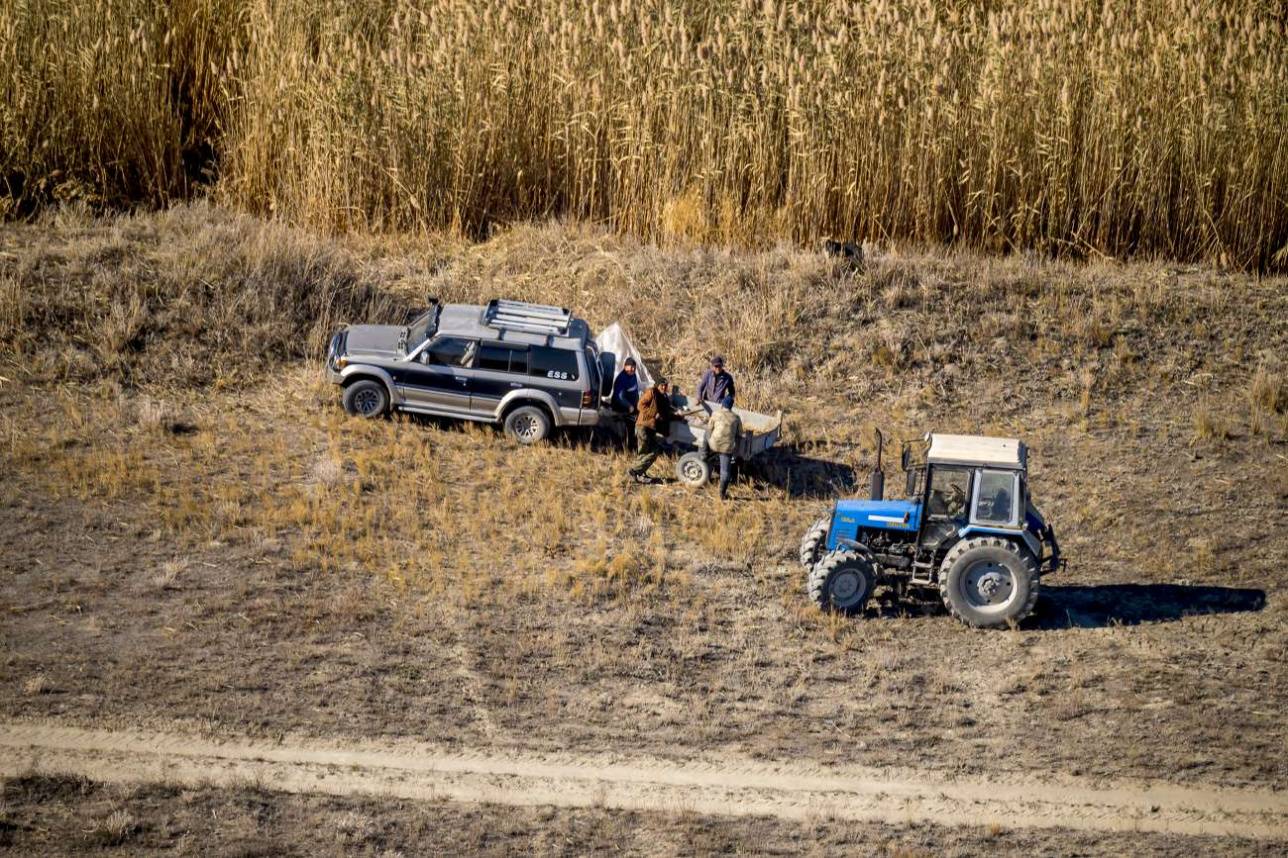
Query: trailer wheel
(842, 582)
(693, 469)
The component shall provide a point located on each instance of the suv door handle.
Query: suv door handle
(515, 384)
(460, 378)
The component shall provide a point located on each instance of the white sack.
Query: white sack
(615, 345)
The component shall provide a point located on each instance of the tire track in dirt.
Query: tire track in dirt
(795, 790)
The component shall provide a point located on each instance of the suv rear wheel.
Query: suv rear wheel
(366, 398)
(527, 425)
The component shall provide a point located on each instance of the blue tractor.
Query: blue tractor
(967, 528)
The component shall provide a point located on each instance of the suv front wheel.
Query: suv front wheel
(366, 398)
(527, 425)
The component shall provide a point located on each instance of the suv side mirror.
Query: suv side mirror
(905, 458)
(912, 477)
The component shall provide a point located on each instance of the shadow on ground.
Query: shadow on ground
(1093, 607)
(804, 476)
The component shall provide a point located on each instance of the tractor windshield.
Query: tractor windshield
(949, 488)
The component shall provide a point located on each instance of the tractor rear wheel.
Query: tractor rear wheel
(813, 543)
(842, 582)
(988, 582)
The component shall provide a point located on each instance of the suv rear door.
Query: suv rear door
(498, 369)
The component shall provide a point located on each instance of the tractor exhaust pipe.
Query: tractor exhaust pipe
(878, 475)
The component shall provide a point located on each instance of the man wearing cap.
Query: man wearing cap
(716, 384)
(651, 423)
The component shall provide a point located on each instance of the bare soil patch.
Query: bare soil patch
(69, 816)
(711, 785)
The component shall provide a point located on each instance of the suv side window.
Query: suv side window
(949, 489)
(502, 358)
(450, 351)
(560, 364)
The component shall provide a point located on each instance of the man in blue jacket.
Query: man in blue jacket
(716, 384)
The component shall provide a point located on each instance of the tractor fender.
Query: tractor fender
(362, 370)
(856, 546)
(1030, 541)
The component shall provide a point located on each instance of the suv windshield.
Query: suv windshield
(450, 351)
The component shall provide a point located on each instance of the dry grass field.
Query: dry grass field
(1075, 127)
(196, 534)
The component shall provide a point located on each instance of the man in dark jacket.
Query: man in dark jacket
(626, 389)
(716, 384)
(625, 401)
(651, 423)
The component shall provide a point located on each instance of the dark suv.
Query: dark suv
(529, 367)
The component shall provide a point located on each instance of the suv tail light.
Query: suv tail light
(587, 398)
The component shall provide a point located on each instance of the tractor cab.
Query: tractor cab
(967, 527)
(968, 484)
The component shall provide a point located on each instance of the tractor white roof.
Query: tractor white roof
(977, 450)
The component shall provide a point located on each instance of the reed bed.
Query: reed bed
(1121, 127)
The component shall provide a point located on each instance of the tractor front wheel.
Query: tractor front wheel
(988, 582)
(842, 582)
(813, 543)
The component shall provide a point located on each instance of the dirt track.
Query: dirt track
(732, 787)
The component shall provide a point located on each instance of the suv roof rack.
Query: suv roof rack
(520, 316)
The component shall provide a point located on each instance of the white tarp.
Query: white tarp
(614, 345)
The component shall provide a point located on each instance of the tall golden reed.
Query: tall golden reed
(1117, 126)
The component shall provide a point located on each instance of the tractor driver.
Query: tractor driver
(948, 494)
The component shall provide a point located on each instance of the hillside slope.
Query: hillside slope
(200, 539)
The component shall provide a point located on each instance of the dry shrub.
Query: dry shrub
(1211, 421)
(194, 295)
(114, 829)
(1268, 393)
(631, 569)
